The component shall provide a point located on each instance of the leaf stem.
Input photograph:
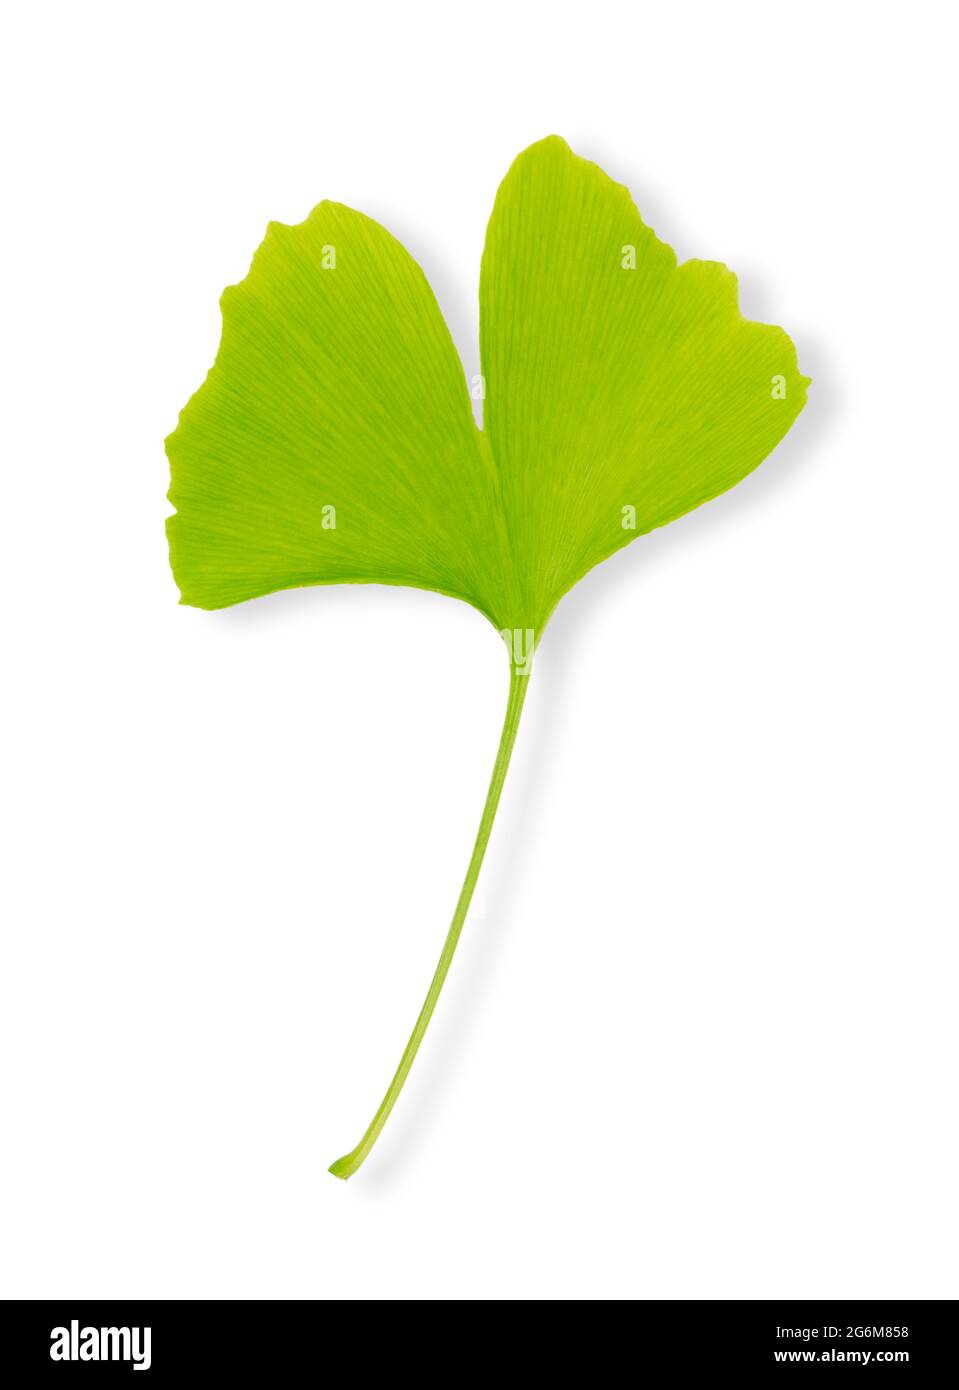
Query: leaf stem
(346, 1166)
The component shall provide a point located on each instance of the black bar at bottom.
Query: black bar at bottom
(289, 1342)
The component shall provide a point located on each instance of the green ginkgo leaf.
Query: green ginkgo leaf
(333, 440)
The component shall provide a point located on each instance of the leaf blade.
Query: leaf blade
(335, 385)
(615, 377)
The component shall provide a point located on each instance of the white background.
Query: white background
(700, 1039)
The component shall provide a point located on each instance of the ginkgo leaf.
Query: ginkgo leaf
(333, 440)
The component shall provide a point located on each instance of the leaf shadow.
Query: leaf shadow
(422, 1103)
